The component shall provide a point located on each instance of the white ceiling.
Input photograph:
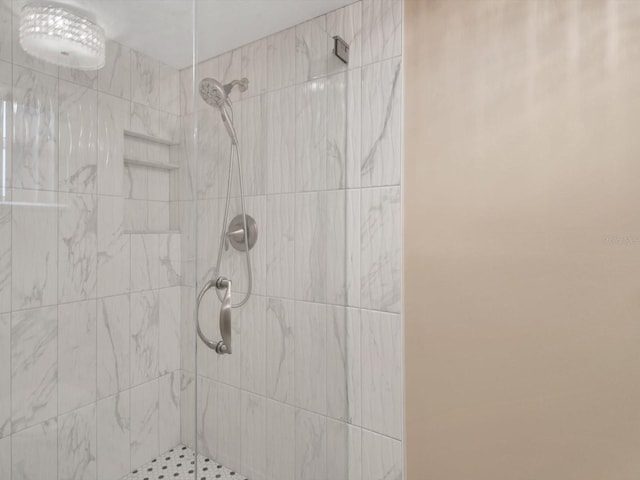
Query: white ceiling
(163, 28)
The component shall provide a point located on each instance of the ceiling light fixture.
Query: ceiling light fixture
(57, 34)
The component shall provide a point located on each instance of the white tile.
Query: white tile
(353, 128)
(5, 374)
(115, 77)
(254, 436)
(6, 114)
(251, 318)
(169, 89)
(310, 247)
(344, 384)
(169, 269)
(77, 452)
(381, 123)
(144, 344)
(136, 215)
(113, 248)
(207, 417)
(158, 185)
(158, 216)
(136, 149)
(145, 79)
(35, 130)
(253, 65)
(344, 129)
(230, 68)
(279, 239)
(113, 345)
(5, 457)
(253, 145)
(169, 411)
(337, 104)
(281, 51)
(113, 436)
(135, 182)
(144, 422)
(381, 30)
(34, 366)
(311, 135)
(5, 253)
(6, 17)
(311, 49)
(344, 451)
(342, 232)
(280, 316)
(382, 373)
(186, 90)
(169, 330)
(311, 446)
(347, 23)
(381, 244)
(212, 167)
(148, 121)
(281, 445)
(39, 442)
(229, 417)
(76, 355)
(310, 333)
(280, 151)
(381, 457)
(82, 78)
(113, 113)
(78, 141)
(187, 331)
(188, 412)
(145, 262)
(34, 249)
(77, 247)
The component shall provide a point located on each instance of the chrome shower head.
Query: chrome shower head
(217, 95)
(213, 92)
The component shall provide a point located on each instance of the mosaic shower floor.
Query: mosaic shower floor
(178, 464)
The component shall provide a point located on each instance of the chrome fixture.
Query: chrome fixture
(341, 49)
(242, 232)
(224, 345)
(236, 236)
(217, 95)
(62, 35)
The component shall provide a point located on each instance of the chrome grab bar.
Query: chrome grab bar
(224, 345)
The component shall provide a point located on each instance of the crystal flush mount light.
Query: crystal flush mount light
(57, 34)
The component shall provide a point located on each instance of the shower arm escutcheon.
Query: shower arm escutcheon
(223, 346)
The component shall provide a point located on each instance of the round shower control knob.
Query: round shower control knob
(235, 233)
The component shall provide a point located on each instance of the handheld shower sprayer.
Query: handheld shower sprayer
(242, 232)
(217, 95)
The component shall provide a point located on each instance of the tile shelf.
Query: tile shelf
(144, 163)
(150, 138)
(151, 232)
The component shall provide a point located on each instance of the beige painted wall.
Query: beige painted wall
(522, 239)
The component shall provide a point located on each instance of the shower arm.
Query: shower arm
(223, 346)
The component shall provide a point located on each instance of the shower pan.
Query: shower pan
(174, 256)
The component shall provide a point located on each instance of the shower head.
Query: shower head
(217, 95)
(213, 92)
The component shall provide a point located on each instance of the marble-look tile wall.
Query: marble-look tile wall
(89, 314)
(314, 387)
